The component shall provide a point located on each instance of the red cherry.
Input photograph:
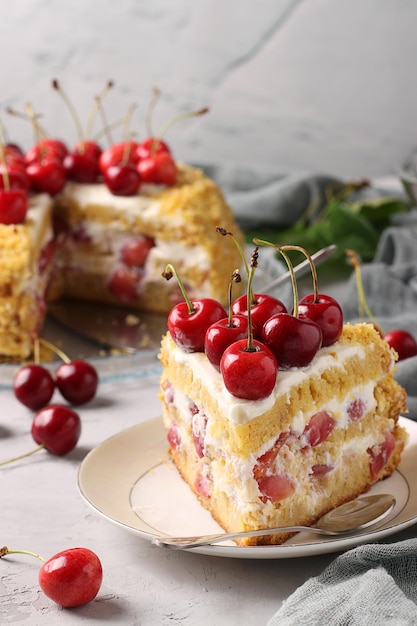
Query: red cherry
(276, 487)
(135, 250)
(13, 150)
(403, 343)
(264, 307)
(326, 312)
(222, 334)
(149, 147)
(33, 386)
(318, 429)
(89, 148)
(380, 454)
(13, 206)
(17, 176)
(81, 167)
(188, 329)
(57, 428)
(294, 341)
(159, 169)
(249, 374)
(77, 381)
(47, 175)
(122, 180)
(116, 154)
(46, 148)
(124, 283)
(72, 577)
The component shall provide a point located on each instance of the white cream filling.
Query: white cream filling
(239, 411)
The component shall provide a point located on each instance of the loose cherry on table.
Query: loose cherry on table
(188, 321)
(70, 578)
(403, 342)
(248, 367)
(77, 380)
(55, 428)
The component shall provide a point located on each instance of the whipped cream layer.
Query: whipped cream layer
(239, 411)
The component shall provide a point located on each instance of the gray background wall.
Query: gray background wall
(316, 85)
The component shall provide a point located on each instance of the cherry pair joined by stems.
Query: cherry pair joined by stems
(70, 578)
(77, 380)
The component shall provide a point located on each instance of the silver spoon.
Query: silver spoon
(347, 518)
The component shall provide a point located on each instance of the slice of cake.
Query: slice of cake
(114, 248)
(25, 267)
(326, 433)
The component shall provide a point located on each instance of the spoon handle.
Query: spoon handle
(182, 543)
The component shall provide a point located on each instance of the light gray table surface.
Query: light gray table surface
(43, 511)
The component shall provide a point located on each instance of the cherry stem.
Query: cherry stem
(96, 106)
(178, 118)
(126, 135)
(5, 173)
(108, 127)
(362, 301)
(171, 271)
(23, 456)
(282, 250)
(4, 551)
(235, 278)
(224, 233)
(55, 350)
(253, 265)
(74, 114)
(149, 114)
(35, 124)
(312, 268)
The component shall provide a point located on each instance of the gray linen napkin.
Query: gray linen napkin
(373, 585)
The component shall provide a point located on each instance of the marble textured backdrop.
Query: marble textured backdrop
(311, 85)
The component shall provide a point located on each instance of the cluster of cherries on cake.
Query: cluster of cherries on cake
(45, 168)
(259, 336)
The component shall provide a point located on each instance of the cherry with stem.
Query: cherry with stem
(403, 342)
(70, 578)
(188, 321)
(293, 339)
(248, 367)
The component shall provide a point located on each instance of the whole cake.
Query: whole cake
(112, 249)
(325, 433)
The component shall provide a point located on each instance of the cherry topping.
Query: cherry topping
(293, 340)
(122, 180)
(77, 381)
(263, 306)
(57, 428)
(47, 175)
(33, 386)
(188, 321)
(159, 169)
(222, 334)
(248, 367)
(326, 312)
(13, 206)
(150, 147)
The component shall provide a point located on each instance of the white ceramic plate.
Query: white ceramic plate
(129, 480)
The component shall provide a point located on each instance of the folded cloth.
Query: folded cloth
(372, 585)
(390, 285)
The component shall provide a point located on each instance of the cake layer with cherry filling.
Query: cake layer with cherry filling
(25, 269)
(326, 433)
(114, 249)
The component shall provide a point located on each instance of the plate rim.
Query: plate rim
(319, 546)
